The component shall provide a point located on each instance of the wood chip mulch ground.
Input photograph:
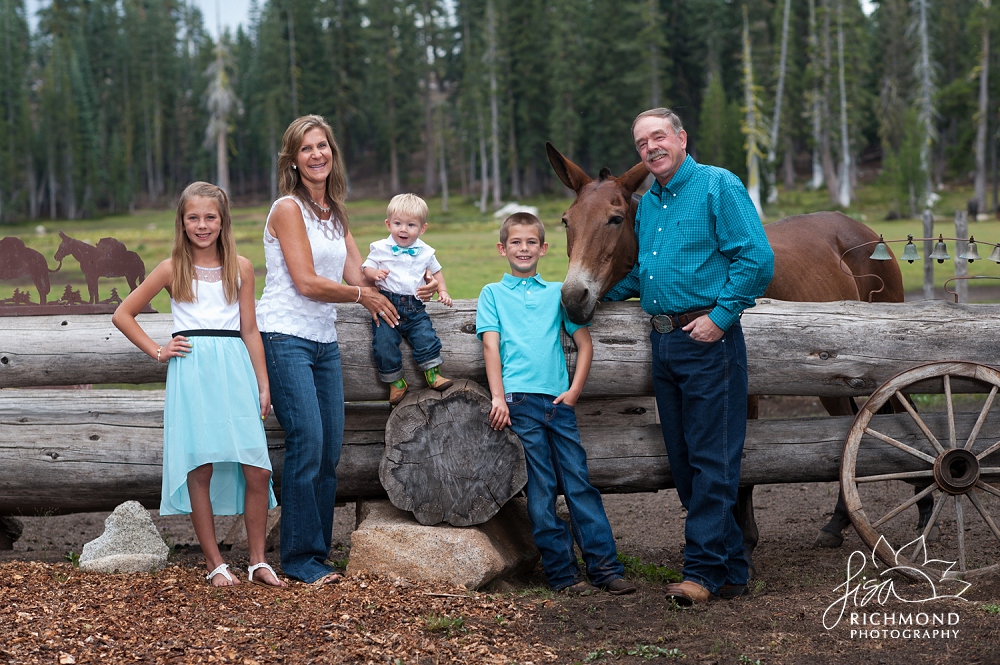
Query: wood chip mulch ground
(55, 613)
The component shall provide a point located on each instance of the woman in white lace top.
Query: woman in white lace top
(309, 252)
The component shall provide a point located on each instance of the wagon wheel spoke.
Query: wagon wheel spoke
(903, 506)
(986, 487)
(960, 523)
(989, 451)
(920, 423)
(903, 475)
(949, 402)
(974, 498)
(899, 444)
(938, 505)
(981, 419)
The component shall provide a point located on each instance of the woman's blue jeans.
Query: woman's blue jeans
(307, 393)
(556, 461)
(701, 394)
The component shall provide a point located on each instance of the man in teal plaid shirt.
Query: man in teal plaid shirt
(703, 259)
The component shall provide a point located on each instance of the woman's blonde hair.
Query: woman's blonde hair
(182, 256)
(289, 182)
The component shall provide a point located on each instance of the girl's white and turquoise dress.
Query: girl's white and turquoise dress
(211, 413)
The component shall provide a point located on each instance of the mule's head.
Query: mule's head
(600, 232)
(64, 249)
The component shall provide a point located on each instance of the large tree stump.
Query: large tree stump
(444, 463)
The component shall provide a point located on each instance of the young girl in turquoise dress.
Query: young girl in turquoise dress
(214, 451)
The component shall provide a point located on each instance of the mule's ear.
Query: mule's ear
(634, 178)
(569, 173)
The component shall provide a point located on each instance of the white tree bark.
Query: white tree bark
(844, 198)
(925, 94)
(984, 102)
(815, 110)
(491, 39)
(753, 159)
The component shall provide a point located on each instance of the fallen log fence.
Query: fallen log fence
(87, 450)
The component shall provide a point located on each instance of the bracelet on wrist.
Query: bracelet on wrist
(358, 299)
(158, 349)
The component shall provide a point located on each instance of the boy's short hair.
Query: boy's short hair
(407, 204)
(521, 219)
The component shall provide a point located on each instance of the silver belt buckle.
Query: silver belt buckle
(662, 323)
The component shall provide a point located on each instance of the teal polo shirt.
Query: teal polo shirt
(528, 314)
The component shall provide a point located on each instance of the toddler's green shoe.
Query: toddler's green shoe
(397, 391)
(435, 380)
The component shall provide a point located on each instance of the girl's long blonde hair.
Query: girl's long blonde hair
(182, 256)
(289, 182)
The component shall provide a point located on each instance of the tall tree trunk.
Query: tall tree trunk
(69, 195)
(222, 161)
(788, 163)
(753, 162)
(844, 198)
(484, 182)
(293, 69)
(443, 162)
(53, 186)
(780, 93)
(395, 186)
(984, 103)
(272, 146)
(515, 166)
(829, 172)
(816, 110)
(491, 39)
(430, 133)
(654, 60)
(925, 100)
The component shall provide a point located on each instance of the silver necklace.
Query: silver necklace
(318, 206)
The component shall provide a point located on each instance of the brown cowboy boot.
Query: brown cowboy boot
(397, 391)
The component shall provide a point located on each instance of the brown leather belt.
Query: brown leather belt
(664, 323)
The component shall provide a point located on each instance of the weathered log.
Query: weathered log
(835, 349)
(444, 463)
(59, 453)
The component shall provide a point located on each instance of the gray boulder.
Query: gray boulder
(130, 543)
(390, 542)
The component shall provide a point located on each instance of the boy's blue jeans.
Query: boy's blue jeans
(416, 327)
(701, 394)
(556, 461)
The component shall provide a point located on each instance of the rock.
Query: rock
(513, 207)
(390, 542)
(10, 530)
(130, 543)
(237, 536)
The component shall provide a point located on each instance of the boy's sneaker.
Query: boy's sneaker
(435, 380)
(619, 587)
(397, 391)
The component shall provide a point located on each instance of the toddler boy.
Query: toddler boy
(519, 320)
(397, 265)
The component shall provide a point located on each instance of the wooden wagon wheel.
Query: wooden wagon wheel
(945, 457)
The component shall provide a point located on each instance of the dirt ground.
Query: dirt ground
(50, 612)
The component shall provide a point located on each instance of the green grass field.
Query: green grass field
(466, 240)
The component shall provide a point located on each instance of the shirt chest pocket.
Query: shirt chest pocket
(697, 231)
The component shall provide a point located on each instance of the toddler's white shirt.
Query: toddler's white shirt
(406, 272)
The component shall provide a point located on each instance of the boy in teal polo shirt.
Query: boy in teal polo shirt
(519, 320)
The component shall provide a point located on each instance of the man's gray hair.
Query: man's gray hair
(661, 112)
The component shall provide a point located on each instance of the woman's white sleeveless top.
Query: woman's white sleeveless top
(282, 309)
(209, 310)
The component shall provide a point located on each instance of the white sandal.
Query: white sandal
(221, 570)
(257, 566)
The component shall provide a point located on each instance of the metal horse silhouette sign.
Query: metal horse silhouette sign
(109, 258)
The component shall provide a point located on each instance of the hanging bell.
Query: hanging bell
(910, 251)
(995, 256)
(972, 252)
(881, 252)
(940, 250)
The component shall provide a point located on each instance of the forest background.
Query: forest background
(113, 105)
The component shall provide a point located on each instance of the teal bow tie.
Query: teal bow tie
(412, 251)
